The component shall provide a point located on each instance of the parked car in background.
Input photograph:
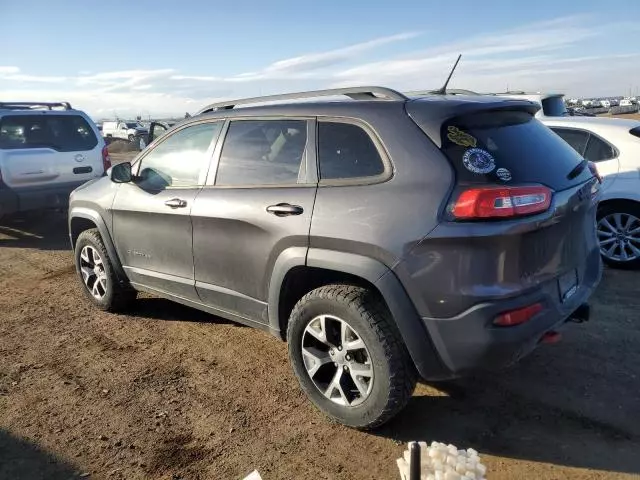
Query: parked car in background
(46, 151)
(626, 102)
(614, 146)
(384, 237)
(125, 130)
(551, 104)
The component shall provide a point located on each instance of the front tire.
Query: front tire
(348, 356)
(98, 279)
(619, 234)
(131, 138)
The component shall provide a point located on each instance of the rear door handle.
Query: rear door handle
(284, 209)
(176, 203)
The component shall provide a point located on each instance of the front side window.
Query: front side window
(262, 152)
(346, 151)
(179, 160)
(576, 138)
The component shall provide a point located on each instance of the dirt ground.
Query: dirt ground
(168, 392)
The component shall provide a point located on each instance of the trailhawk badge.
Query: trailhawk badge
(477, 160)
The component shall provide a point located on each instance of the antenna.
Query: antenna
(443, 90)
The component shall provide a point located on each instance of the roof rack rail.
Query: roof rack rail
(34, 105)
(449, 91)
(356, 93)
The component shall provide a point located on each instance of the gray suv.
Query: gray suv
(385, 238)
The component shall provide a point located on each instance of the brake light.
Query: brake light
(516, 317)
(106, 159)
(501, 202)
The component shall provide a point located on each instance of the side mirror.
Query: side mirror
(121, 173)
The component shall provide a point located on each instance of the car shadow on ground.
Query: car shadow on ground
(505, 424)
(21, 459)
(42, 230)
(155, 308)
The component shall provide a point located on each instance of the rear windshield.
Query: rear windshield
(509, 147)
(64, 133)
(554, 107)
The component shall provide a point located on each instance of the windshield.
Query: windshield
(554, 107)
(133, 125)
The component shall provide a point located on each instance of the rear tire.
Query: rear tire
(618, 230)
(97, 276)
(371, 353)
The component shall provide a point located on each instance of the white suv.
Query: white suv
(46, 151)
(613, 144)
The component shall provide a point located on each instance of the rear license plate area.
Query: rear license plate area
(568, 285)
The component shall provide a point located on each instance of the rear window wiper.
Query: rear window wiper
(577, 170)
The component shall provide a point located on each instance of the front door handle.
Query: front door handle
(284, 209)
(176, 203)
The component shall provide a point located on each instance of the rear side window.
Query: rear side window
(263, 152)
(346, 151)
(509, 147)
(578, 139)
(64, 133)
(598, 150)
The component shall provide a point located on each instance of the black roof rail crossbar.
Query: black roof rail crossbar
(33, 105)
(356, 93)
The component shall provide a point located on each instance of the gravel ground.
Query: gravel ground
(171, 393)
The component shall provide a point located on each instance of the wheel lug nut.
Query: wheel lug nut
(335, 364)
(331, 352)
(347, 357)
(346, 369)
(340, 348)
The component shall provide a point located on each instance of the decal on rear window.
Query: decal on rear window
(477, 160)
(503, 174)
(461, 138)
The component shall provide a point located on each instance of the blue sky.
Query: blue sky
(160, 57)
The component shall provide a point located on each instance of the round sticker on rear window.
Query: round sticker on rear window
(477, 160)
(503, 174)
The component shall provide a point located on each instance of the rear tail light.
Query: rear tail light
(501, 202)
(516, 317)
(106, 159)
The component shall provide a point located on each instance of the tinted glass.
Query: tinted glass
(346, 151)
(64, 133)
(179, 160)
(576, 138)
(599, 150)
(262, 152)
(554, 107)
(509, 147)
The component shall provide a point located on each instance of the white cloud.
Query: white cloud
(528, 57)
(549, 55)
(8, 70)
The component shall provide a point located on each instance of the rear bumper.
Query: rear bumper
(35, 198)
(470, 342)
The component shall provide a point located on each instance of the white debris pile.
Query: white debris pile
(442, 462)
